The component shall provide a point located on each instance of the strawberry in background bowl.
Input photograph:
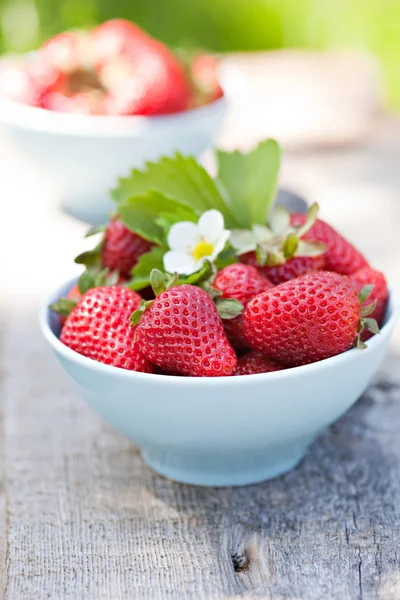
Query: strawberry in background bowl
(87, 107)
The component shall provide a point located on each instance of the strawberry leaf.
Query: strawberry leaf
(371, 325)
(367, 310)
(86, 281)
(180, 178)
(90, 258)
(228, 308)
(63, 306)
(95, 230)
(141, 214)
(157, 281)
(141, 271)
(250, 181)
(365, 292)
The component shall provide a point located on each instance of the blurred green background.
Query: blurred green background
(224, 25)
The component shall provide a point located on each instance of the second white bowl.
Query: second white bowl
(82, 156)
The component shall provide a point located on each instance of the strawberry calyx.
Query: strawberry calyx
(366, 323)
(90, 278)
(63, 306)
(159, 282)
(228, 308)
(280, 241)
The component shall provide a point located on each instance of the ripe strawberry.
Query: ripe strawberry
(141, 74)
(99, 328)
(252, 363)
(294, 267)
(341, 256)
(205, 76)
(122, 248)
(182, 332)
(368, 276)
(67, 51)
(85, 103)
(17, 84)
(304, 320)
(243, 283)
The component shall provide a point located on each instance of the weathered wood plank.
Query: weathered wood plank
(3, 503)
(87, 520)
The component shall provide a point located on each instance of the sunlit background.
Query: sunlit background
(224, 25)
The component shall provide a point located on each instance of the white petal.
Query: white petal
(220, 245)
(211, 225)
(179, 261)
(183, 235)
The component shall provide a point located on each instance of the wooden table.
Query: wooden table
(81, 517)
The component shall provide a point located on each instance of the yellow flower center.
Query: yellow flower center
(202, 249)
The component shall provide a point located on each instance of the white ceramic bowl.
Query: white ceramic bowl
(82, 156)
(223, 431)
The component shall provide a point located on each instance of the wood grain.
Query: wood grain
(3, 502)
(88, 520)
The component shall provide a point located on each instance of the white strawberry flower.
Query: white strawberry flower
(192, 244)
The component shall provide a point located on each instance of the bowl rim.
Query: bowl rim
(304, 370)
(41, 120)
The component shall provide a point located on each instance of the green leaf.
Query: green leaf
(157, 281)
(312, 215)
(141, 213)
(250, 181)
(112, 278)
(172, 280)
(102, 278)
(179, 177)
(228, 308)
(367, 310)
(290, 245)
(146, 263)
(90, 258)
(371, 325)
(206, 271)
(360, 344)
(136, 316)
(86, 281)
(365, 292)
(63, 306)
(228, 256)
(95, 230)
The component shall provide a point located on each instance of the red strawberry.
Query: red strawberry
(117, 37)
(368, 276)
(67, 51)
(304, 320)
(243, 283)
(122, 248)
(205, 76)
(252, 363)
(85, 103)
(141, 74)
(17, 83)
(99, 327)
(182, 332)
(341, 256)
(294, 267)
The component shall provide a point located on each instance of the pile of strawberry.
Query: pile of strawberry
(245, 318)
(115, 69)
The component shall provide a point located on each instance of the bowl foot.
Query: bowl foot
(222, 470)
